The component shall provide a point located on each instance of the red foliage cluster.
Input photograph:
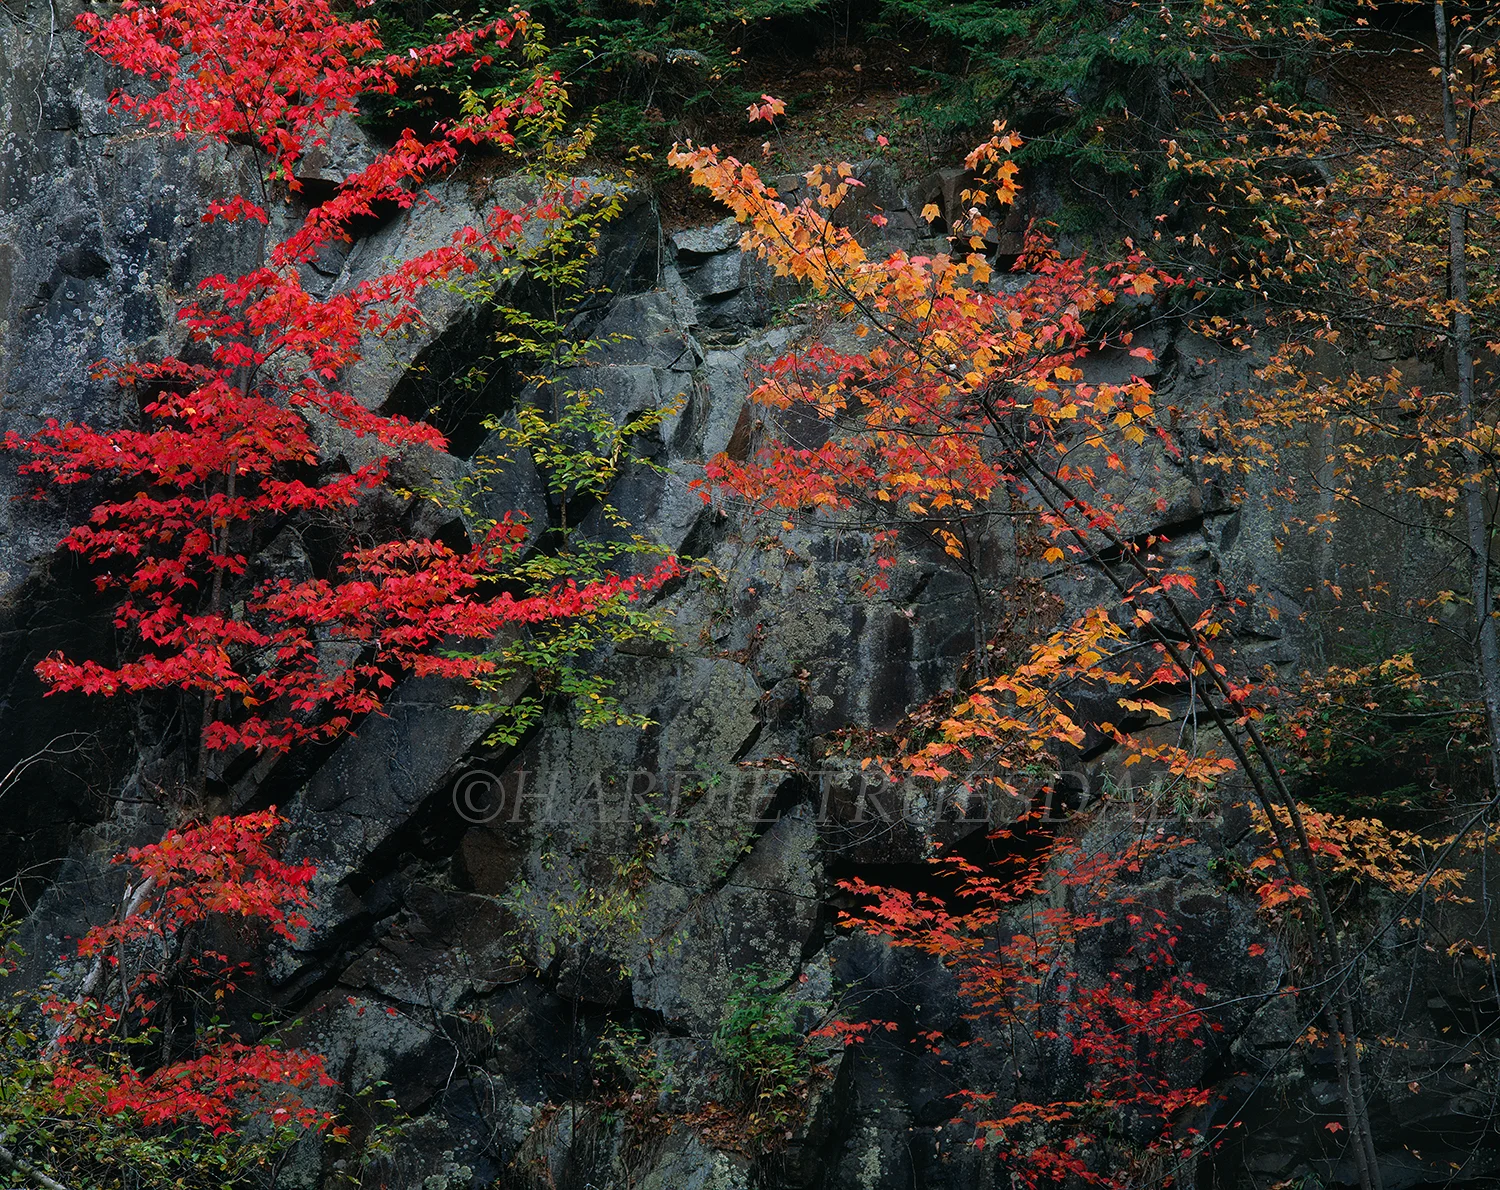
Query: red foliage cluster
(269, 71)
(218, 1090)
(223, 868)
(1023, 970)
(231, 446)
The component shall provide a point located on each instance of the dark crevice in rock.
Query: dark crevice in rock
(1150, 540)
(384, 211)
(67, 754)
(457, 383)
(978, 846)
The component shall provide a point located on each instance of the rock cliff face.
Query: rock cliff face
(446, 867)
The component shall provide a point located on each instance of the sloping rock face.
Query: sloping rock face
(547, 944)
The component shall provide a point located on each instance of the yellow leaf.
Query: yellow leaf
(1134, 704)
(952, 546)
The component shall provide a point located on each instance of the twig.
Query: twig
(28, 1171)
(134, 897)
(46, 62)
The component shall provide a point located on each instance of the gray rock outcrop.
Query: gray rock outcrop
(505, 916)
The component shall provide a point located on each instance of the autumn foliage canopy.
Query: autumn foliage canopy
(946, 397)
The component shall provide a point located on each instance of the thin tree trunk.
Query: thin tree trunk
(1337, 967)
(131, 904)
(216, 608)
(1476, 512)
